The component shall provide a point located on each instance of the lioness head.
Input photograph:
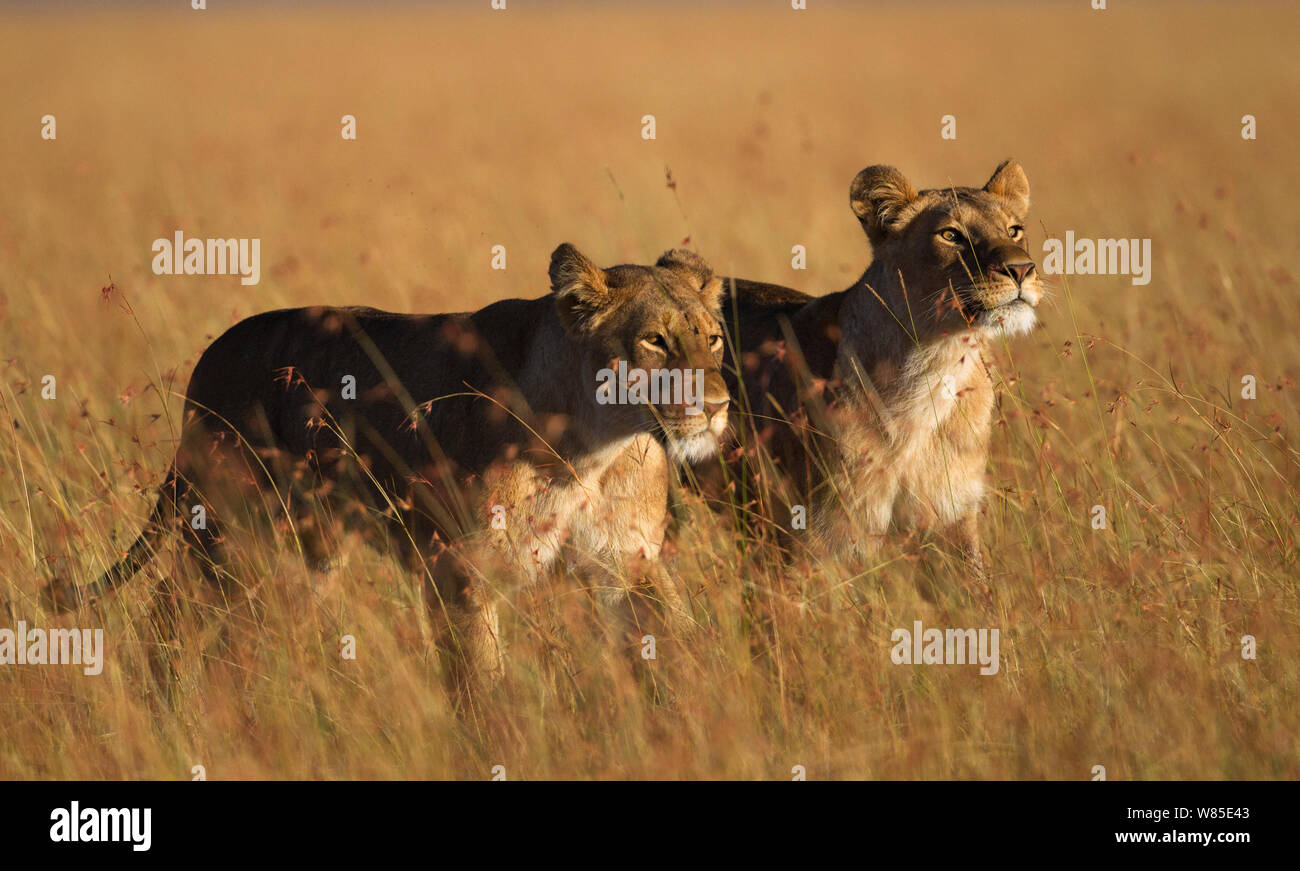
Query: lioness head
(958, 252)
(652, 344)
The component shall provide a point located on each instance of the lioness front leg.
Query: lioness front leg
(459, 603)
(675, 610)
(630, 528)
(968, 532)
(968, 528)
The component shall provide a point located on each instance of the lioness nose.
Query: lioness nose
(712, 408)
(1018, 271)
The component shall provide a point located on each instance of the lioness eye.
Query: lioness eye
(657, 341)
(1016, 231)
(715, 342)
(950, 235)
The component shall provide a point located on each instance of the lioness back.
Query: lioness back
(300, 379)
(765, 321)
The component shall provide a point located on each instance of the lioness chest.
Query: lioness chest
(915, 456)
(607, 505)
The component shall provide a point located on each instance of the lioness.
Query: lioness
(481, 437)
(875, 401)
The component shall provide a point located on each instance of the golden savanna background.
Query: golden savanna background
(1120, 647)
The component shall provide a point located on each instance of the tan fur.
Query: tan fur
(457, 419)
(885, 385)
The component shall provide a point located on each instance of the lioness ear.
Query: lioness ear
(687, 261)
(877, 195)
(711, 287)
(581, 293)
(1010, 183)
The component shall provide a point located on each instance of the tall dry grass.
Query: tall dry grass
(1119, 648)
